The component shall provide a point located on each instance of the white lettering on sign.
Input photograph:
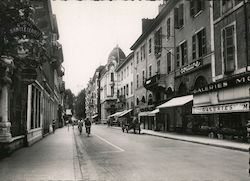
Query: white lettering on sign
(190, 67)
(226, 108)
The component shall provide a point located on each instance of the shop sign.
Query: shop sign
(191, 66)
(231, 82)
(225, 108)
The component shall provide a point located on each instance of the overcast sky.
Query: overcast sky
(89, 31)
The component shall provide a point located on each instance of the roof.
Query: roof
(122, 63)
(152, 113)
(116, 54)
(178, 101)
(125, 112)
(166, 10)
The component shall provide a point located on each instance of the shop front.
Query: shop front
(175, 114)
(222, 109)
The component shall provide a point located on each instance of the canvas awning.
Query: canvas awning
(178, 101)
(115, 114)
(125, 112)
(94, 116)
(152, 113)
(143, 113)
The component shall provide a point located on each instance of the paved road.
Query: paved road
(109, 154)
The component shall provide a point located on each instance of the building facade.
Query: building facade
(32, 93)
(108, 84)
(225, 102)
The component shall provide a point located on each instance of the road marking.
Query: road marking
(117, 147)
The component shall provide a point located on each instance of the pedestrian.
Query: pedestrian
(80, 125)
(54, 125)
(67, 122)
(88, 126)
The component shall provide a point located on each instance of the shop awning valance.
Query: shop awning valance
(152, 113)
(125, 112)
(95, 116)
(178, 101)
(143, 113)
(115, 114)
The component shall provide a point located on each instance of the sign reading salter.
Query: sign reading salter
(225, 108)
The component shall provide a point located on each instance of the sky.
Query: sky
(89, 30)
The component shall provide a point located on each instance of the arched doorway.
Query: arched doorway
(200, 82)
(182, 89)
(169, 93)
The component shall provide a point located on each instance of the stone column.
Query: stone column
(6, 69)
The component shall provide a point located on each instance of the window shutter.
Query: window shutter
(185, 53)
(178, 56)
(181, 15)
(192, 8)
(204, 42)
(176, 18)
(168, 28)
(202, 4)
(194, 47)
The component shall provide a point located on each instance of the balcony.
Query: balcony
(155, 82)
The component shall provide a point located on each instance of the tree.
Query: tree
(69, 98)
(80, 105)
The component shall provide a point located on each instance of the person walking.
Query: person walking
(80, 125)
(54, 126)
(88, 126)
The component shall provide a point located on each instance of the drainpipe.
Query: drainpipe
(247, 37)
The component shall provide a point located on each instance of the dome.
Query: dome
(116, 54)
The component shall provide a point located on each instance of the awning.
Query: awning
(178, 101)
(125, 112)
(115, 114)
(94, 116)
(152, 113)
(143, 113)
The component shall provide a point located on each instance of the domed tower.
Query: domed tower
(116, 55)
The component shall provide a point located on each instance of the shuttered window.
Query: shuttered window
(169, 62)
(178, 56)
(158, 42)
(199, 47)
(196, 6)
(168, 28)
(179, 16)
(228, 43)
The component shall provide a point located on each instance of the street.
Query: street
(109, 154)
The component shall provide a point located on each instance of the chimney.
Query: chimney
(161, 6)
(146, 24)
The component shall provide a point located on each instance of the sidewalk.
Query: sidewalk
(198, 139)
(52, 158)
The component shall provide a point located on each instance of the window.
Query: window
(226, 5)
(112, 90)
(143, 76)
(122, 75)
(196, 6)
(127, 89)
(149, 45)
(181, 54)
(118, 93)
(158, 42)
(127, 71)
(228, 48)
(137, 57)
(137, 80)
(179, 16)
(131, 87)
(150, 71)
(35, 113)
(143, 55)
(158, 66)
(169, 62)
(168, 28)
(124, 89)
(131, 68)
(121, 91)
(199, 47)
(112, 77)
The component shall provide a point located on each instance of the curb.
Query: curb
(203, 143)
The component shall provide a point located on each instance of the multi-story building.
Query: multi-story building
(125, 85)
(154, 66)
(93, 96)
(108, 84)
(224, 103)
(34, 98)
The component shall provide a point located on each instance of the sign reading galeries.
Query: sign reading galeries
(225, 108)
